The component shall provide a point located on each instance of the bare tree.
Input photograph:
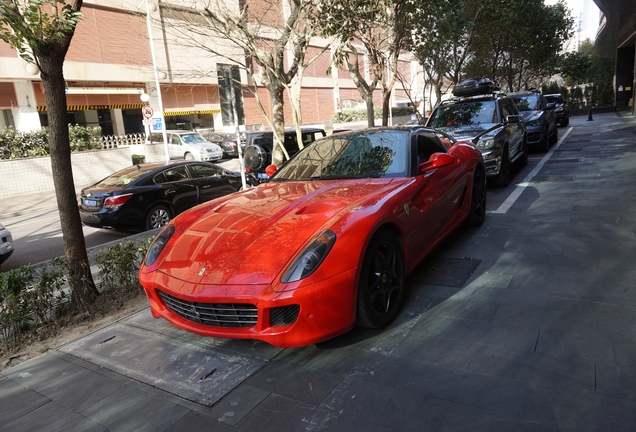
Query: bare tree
(41, 31)
(268, 39)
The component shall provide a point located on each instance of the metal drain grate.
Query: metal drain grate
(560, 179)
(560, 161)
(452, 272)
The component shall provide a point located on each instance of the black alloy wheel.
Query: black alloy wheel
(477, 213)
(381, 286)
(159, 216)
(555, 137)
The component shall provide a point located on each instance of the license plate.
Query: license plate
(90, 203)
(216, 155)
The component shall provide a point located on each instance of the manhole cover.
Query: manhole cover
(541, 179)
(561, 161)
(173, 360)
(452, 272)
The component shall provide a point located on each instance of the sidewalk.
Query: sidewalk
(540, 337)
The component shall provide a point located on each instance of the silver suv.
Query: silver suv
(487, 117)
(189, 145)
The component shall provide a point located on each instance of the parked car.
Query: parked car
(539, 117)
(6, 244)
(189, 145)
(259, 145)
(226, 141)
(150, 195)
(561, 108)
(325, 244)
(490, 120)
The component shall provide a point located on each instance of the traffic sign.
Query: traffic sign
(147, 111)
(147, 122)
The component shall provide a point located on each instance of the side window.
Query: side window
(174, 139)
(505, 109)
(202, 171)
(291, 144)
(176, 174)
(160, 178)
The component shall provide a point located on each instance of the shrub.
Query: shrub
(119, 266)
(15, 144)
(138, 159)
(347, 116)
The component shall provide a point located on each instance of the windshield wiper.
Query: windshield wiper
(337, 177)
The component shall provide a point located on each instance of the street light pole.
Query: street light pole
(154, 67)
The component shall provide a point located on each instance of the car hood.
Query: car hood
(207, 146)
(250, 237)
(469, 132)
(531, 115)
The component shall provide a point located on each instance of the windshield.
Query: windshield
(193, 138)
(464, 114)
(359, 155)
(554, 99)
(526, 103)
(125, 176)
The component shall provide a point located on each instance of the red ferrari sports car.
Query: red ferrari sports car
(324, 245)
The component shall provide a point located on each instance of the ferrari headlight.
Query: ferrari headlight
(535, 122)
(311, 258)
(158, 244)
(484, 144)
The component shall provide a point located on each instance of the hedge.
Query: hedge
(361, 114)
(15, 144)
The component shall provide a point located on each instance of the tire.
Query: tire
(523, 160)
(189, 156)
(567, 121)
(555, 136)
(381, 285)
(545, 144)
(503, 178)
(157, 217)
(477, 213)
(256, 157)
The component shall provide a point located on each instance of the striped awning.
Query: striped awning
(191, 112)
(42, 108)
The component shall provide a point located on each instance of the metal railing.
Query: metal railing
(115, 141)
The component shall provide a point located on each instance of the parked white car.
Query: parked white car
(189, 145)
(6, 244)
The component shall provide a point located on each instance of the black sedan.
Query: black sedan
(150, 195)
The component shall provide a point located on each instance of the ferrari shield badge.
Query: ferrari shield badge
(407, 210)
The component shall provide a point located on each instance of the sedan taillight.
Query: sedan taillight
(117, 200)
(231, 144)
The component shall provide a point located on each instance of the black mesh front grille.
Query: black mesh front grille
(285, 315)
(212, 314)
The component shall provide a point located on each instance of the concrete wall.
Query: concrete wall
(28, 176)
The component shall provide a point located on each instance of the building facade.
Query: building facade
(110, 65)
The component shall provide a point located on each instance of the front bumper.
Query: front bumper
(325, 309)
(492, 161)
(535, 135)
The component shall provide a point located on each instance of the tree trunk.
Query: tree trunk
(370, 112)
(279, 152)
(386, 100)
(83, 290)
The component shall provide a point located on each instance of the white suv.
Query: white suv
(6, 244)
(189, 145)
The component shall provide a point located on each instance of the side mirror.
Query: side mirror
(551, 105)
(513, 119)
(438, 160)
(270, 170)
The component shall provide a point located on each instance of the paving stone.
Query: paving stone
(17, 401)
(311, 386)
(236, 405)
(52, 417)
(195, 421)
(557, 370)
(438, 350)
(604, 349)
(465, 309)
(130, 409)
(532, 299)
(463, 418)
(572, 322)
(616, 381)
(41, 368)
(77, 388)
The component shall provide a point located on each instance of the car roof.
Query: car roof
(287, 131)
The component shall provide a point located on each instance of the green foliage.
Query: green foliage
(138, 159)
(27, 25)
(118, 267)
(30, 300)
(15, 144)
(347, 116)
(83, 138)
